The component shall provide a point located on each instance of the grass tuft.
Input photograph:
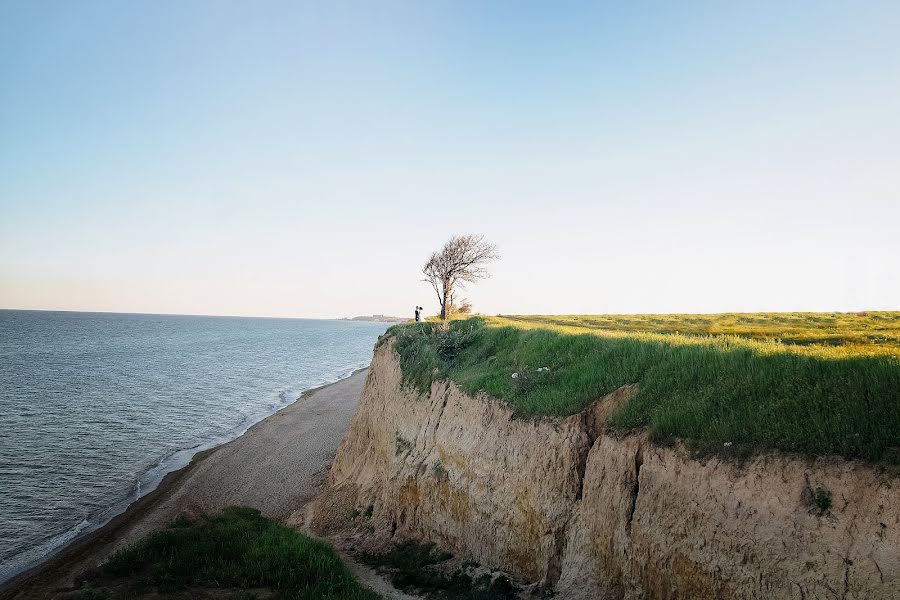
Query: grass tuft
(401, 445)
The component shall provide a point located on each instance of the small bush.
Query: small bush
(414, 566)
(822, 498)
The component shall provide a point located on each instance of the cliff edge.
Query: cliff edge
(590, 512)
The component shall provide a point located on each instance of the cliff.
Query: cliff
(590, 512)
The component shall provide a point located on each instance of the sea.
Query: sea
(95, 408)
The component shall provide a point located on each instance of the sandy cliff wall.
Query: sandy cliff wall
(592, 513)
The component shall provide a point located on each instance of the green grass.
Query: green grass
(822, 499)
(237, 550)
(418, 567)
(91, 595)
(832, 388)
(827, 335)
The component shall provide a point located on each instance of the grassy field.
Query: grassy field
(813, 383)
(826, 335)
(239, 554)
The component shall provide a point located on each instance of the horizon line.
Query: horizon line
(171, 314)
(530, 314)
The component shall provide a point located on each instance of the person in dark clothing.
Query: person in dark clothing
(418, 314)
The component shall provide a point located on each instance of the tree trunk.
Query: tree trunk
(448, 294)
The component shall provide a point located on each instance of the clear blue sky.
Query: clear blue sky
(280, 158)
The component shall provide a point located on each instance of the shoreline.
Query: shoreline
(82, 544)
(94, 541)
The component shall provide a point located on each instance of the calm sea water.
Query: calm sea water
(96, 408)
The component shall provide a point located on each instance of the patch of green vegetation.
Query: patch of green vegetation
(414, 566)
(401, 445)
(822, 498)
(239, 549)
(439, 470)
(814, 399)
(91, 595)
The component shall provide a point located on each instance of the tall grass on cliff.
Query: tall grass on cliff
(812, 398)
(237, 550)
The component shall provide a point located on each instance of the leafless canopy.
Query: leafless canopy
(462, 260)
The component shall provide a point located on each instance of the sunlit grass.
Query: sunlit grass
(826, 335)
(803, 382)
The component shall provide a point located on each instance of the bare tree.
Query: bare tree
(462, 260)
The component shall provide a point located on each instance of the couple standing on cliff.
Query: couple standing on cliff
(419, 310)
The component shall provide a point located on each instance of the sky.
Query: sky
(304, 159)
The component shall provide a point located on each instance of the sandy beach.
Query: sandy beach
(274, 467)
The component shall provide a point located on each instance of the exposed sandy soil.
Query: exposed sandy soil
(275, 467)
(591, 512)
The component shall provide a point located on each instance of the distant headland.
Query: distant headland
(378, 318)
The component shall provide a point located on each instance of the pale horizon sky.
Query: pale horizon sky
(303, 159)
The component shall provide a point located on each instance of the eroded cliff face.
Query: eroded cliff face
(594, 513)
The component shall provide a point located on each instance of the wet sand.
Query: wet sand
(275, 467)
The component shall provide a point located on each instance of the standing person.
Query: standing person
(418, 314)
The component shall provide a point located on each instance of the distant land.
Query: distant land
(378, 318)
